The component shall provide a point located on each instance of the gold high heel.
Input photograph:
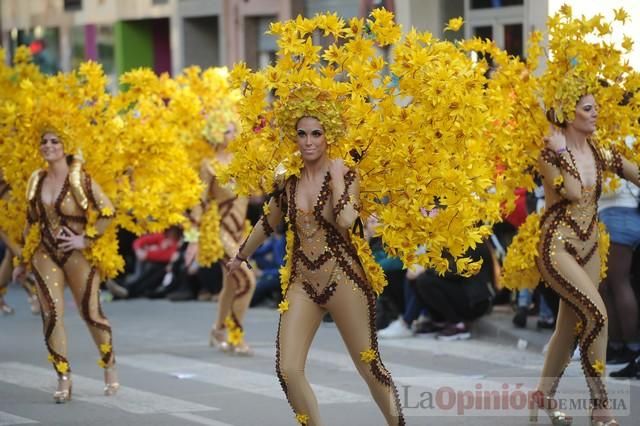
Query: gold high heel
(243, 350)
(610, 422)
(63, 393)
(547, 404)
(218, 340)
(111, 384)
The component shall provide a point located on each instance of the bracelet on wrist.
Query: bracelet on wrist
(245, 260)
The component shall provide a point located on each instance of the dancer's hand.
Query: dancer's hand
(19, 273)
(233, 265)
(70, 241)
(556, 139)
(190, 254)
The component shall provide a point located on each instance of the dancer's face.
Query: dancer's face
(230, 134)
(311, 139)
(51, 147)
(586, 115)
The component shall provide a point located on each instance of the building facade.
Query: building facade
(168, 35)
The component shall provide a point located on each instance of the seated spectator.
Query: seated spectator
(453, 301)
(153, 254)
(268, 259)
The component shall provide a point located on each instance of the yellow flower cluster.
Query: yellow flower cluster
(372, 269)
(302, 419)
(235, 334)
(285, 270)
(161, 183)
(210, 248)
(434, 181)
(368, 356)
(283, 306)
(519, 269)
(598, 366)
(603, 249)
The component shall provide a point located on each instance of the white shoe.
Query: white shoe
(397, 329)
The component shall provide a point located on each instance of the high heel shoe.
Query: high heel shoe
(548, 405)
(34, 304)
(610, 422)
(4, 308)
(243, 350)
(111, 384)
(63, 393)
(217, 339)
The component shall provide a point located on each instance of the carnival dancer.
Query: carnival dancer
(59, 197)
(321, 206)
(227, 331)
(582, 88)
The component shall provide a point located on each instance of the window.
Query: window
(483, 32)
(72, 5)
(489, 4)
(513, 42)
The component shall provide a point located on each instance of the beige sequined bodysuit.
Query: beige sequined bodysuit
(53, 267)
(326, 276)
(569, 263)
(237, 288)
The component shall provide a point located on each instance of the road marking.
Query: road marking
(7, 419)
(234, 378)
(89, 390)
(199, 419)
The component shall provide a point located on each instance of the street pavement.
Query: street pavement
(170, 376)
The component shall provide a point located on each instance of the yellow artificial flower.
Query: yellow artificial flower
(302, 419)
(578, 328)
(598, 366)
(62, 367)
(519, 270)
(105, 348)
(621, 15)
(454, 24)
(283, 306)
(604, 242)
(235, 336)
(50, 358)
(101, 363)
(558, 181)
(368, 356)
(210, 246)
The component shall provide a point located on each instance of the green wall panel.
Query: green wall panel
(134, 45)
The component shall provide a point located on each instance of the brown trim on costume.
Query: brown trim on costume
(322, 298)
(593, 378)
(51, 324)
(107, 357)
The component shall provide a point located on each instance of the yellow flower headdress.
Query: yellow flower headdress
(583, 59)
(216, 99)
(308, 101)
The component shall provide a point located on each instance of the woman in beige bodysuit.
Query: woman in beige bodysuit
(326, 275)
(568, 259)
(59, 198)
(238, 285)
